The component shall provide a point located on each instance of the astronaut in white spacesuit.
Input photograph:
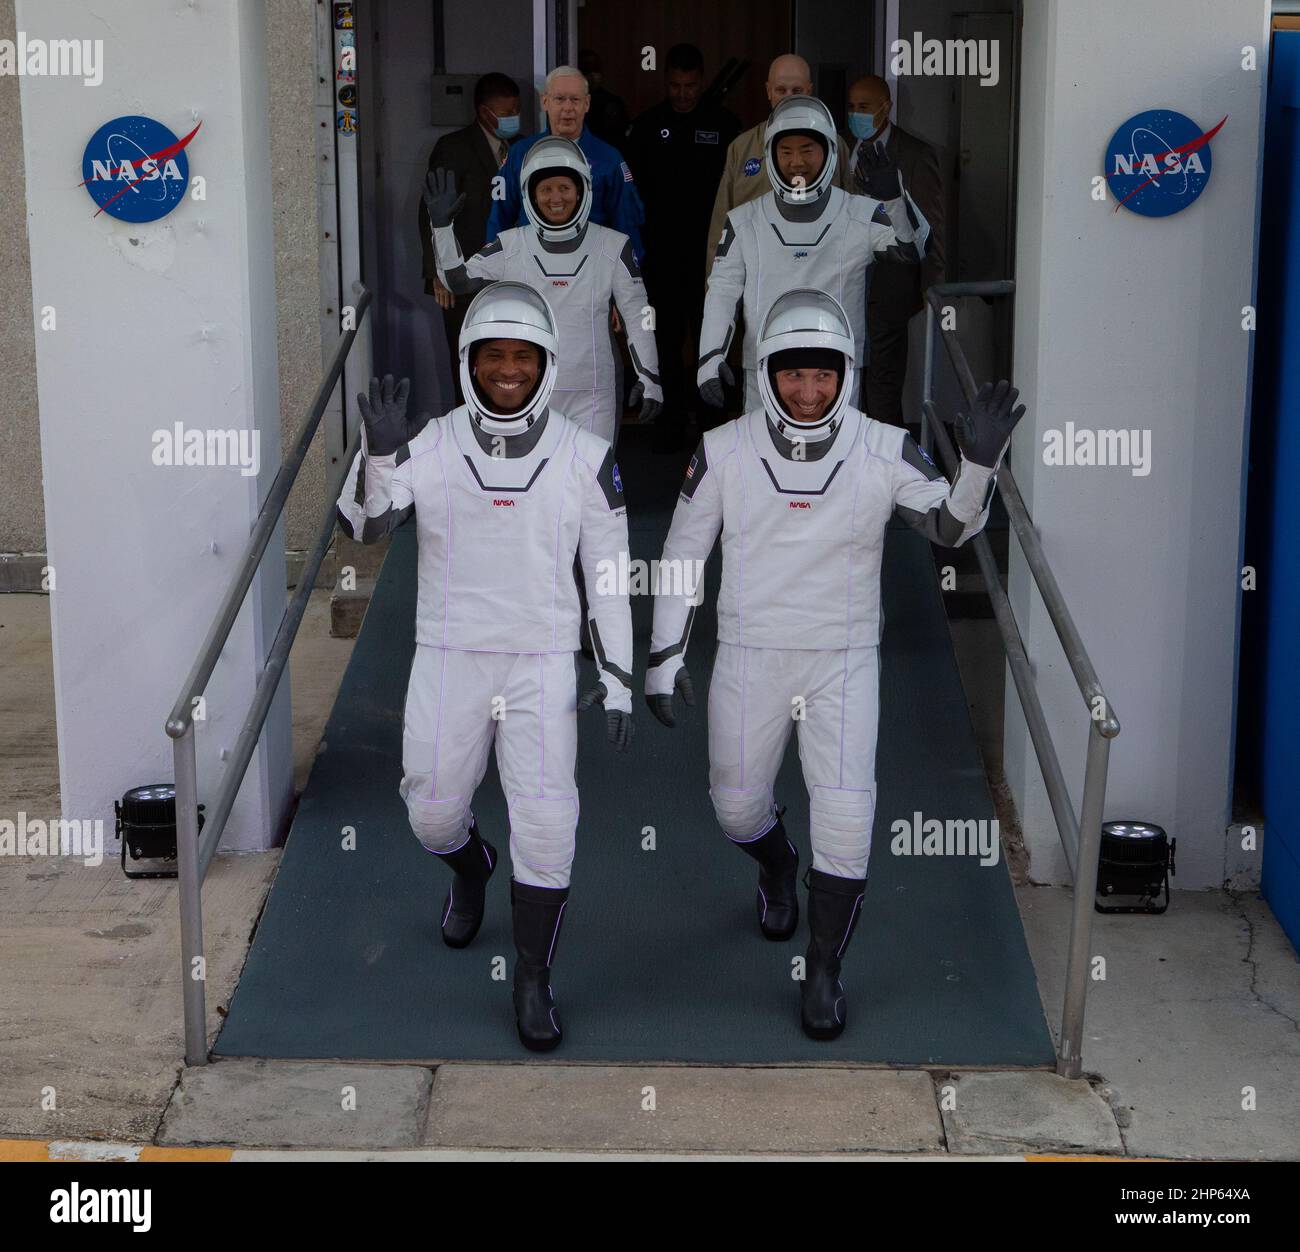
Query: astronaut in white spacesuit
(582, 268)
(506, 493)
(805, 232)
(802, 489)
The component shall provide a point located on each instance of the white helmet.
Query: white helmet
(549, 156)
(805, 319)
(508, 310)
(810, 115)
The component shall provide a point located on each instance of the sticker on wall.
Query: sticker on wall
(348, 97)
(347, 122)
(1158, 162)
(343, 16)
(136, 169)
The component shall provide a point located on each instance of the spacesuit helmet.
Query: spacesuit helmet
(800, 328)
(508, 310)
(549, 156)
(809, 116)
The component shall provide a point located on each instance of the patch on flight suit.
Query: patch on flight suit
(915, 456)
(695, 472)
(628, 257)
(880, 216)
(611, 483)
(724, 244)
(706, 136)
(752, 166)
(491, 249)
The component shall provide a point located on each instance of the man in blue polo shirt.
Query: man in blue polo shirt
(614, 199)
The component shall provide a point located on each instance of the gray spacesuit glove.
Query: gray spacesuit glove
(710, 386)
(440, 197)
(982, 433)
(876, 174)
(618, 722)
(664, 680)
(384, 415)
(649, 407)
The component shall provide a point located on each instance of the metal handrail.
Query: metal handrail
(1081, 837)
(194, 854)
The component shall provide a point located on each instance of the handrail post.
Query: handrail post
(1069, 1063)
(190, 881)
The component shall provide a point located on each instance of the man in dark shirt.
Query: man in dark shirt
(475, 155)
(677, 150)
(608, 117)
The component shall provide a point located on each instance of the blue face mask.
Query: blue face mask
(507, 127)
(863, 125)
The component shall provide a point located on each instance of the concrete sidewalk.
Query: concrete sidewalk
(1193, 1038)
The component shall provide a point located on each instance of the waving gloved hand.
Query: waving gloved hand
(982, 433)
(876, 173)
(384, 415)
(440, 197)
(618, 722)
(665, 678)
(649, 406)
(710, 381)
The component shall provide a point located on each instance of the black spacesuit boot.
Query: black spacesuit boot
(834, 906)
(472, 864)
(537, 913)
(778, 894)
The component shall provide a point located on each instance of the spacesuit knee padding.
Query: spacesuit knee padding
(841, 821)
(438, 824)
(742, 812)
(542, 831)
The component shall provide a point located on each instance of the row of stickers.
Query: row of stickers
(345, 73)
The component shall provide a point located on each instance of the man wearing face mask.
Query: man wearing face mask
(895, 292)
(581, 267)
(806, 232)
(474, 155)
(507, 495)
(802, 490)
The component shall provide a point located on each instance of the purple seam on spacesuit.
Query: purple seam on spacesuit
(556, 933)
(848, 930)
(744, 688)
(437, 734)
(451, 851)
(771, 821)
(838, 1000)
(450, 902)
(764, 898)
(446, 589)
(541, 730)
(844, 686)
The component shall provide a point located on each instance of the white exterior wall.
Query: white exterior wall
(166, 321)
(1123, 321)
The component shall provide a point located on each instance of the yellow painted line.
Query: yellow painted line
(1093, 1158)
(24, 1150)
(186, 1154)
(66, 1151)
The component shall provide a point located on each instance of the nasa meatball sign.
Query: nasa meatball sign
(135, 169)
(1158, 162)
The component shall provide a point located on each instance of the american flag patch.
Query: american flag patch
(627, 173)
(690, 469)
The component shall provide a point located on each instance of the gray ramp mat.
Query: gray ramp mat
(660, 958)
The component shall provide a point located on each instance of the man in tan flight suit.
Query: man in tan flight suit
(744, 177)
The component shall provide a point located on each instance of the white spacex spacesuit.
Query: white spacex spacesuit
(803, 509)
(807, 235)
(503, 504)
(582, 269)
